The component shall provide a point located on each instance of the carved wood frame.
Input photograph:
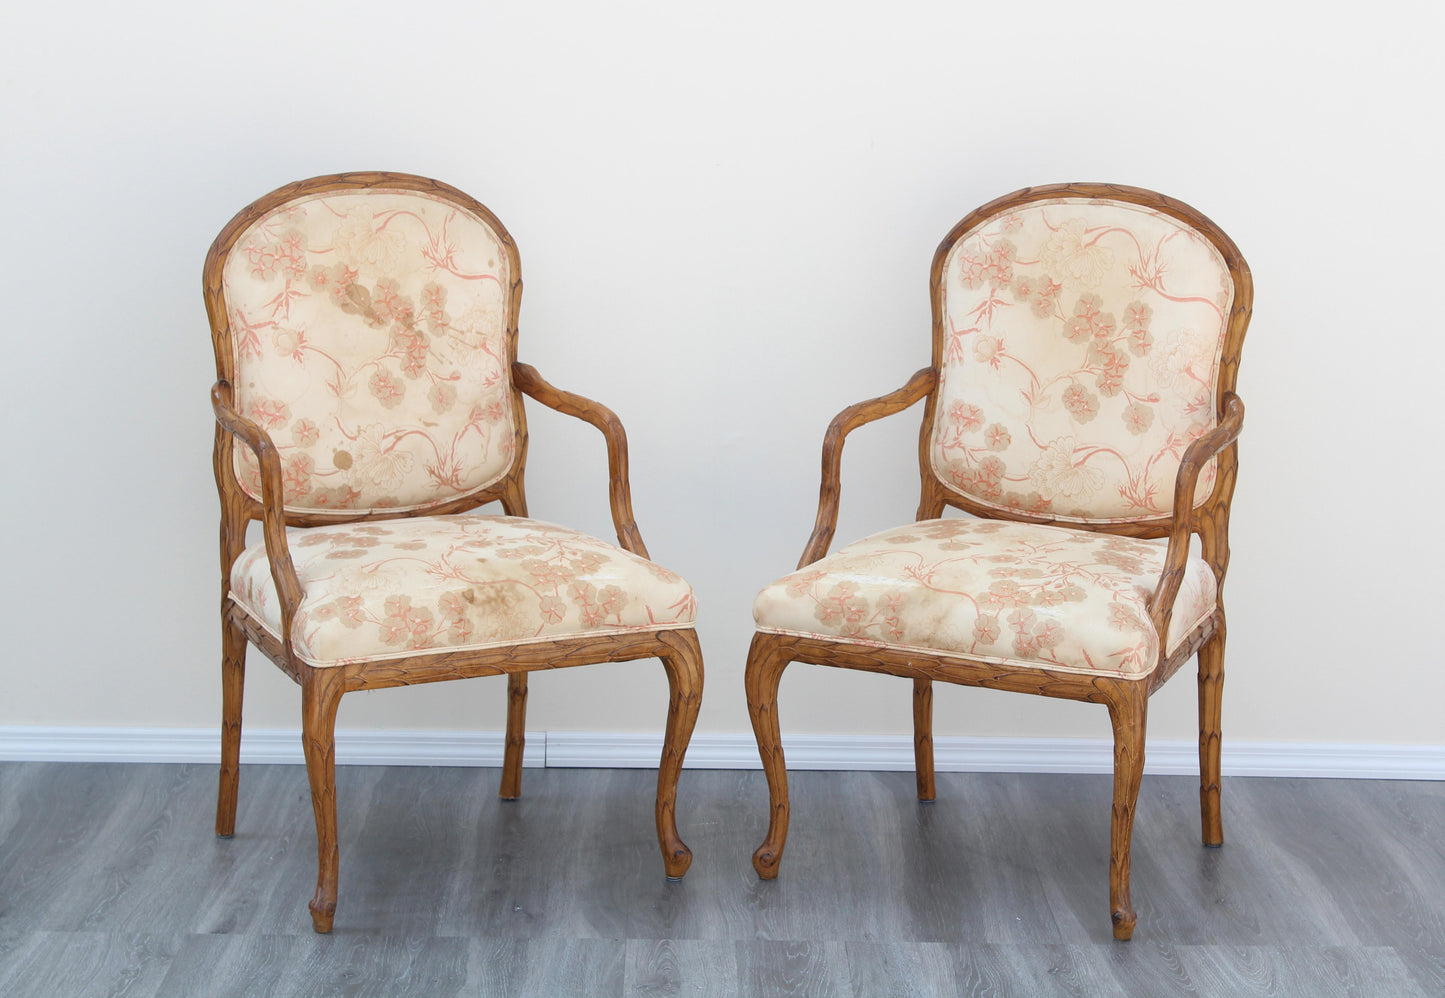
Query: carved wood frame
(1126, 698)
(322, 687)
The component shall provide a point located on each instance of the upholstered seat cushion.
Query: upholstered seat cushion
(450, 583)
(1012, 593)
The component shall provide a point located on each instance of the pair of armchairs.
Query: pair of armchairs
(1079, 407)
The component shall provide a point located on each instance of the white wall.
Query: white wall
(726, 214)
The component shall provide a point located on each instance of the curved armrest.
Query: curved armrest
(526, 378)
(1196, 456)
(273, 516)
(844, 423)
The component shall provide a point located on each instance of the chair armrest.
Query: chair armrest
(526, 378)
(273, 515)
(844, 423)
(1196, 455)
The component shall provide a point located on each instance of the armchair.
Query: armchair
(1080, 409)
(365, 330)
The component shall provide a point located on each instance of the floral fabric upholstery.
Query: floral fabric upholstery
(1016, 594)
(450, 583)
(1081, 354)
(370, 342)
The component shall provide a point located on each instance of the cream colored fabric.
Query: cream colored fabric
(449, 583)
(1012, 593)
(370, 344)
(1081, 355)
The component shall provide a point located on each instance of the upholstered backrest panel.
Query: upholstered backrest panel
(370, 341)
(1081, 348)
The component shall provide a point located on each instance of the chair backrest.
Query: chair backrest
(1084, 336)
(368, 323)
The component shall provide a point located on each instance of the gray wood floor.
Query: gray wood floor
(111, 883)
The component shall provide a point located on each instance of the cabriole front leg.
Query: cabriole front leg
(1127, 712)
(321, 691)
(764, 672)
(683, 662)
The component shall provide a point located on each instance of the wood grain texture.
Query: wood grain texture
(322, 688)
(107, 886)
(1125, 697)
(112, 965)
(562, 967)
(923, 738)
(516, 736)
(233, 682)
(695, 968)
(246, 966)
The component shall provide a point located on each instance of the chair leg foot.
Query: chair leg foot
(1124, 924)
(323, 913)
(683, 663)
(511, 787)
(923, 739)
(765, 861)
(764, 672)
(321, 691)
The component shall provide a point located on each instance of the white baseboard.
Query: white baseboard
(264, 745)
(1007, 755)
(620, 750)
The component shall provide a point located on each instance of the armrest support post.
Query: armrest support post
(526, 378)
(1196, 456)
(273, 512)
(844, 423)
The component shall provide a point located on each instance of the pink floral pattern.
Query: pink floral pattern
(1017, 594)
(450, 583)
(1081, 356)
(370, 342)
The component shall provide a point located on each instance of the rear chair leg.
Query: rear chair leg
(923, 739)
(1211, 691)
(516, 736)
(233, 683)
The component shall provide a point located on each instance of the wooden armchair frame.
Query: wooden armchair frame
(1126, 699)
(322, 688)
